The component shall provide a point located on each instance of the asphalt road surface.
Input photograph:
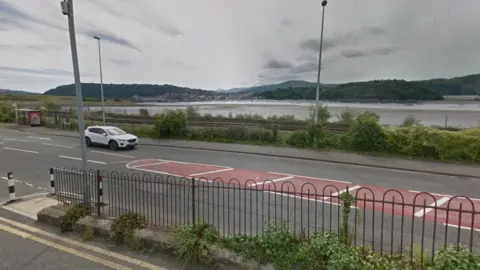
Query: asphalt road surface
(234, 210)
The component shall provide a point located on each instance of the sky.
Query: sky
(213, 44)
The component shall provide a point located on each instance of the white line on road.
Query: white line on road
(461, 227)
(17, 140)
(313, 178)
(91, 161)
(112, 154)
(271, 181)
(149, 164)
(21, 150)
(341, 192)
(445, 195)
(210, 172)
(16, 181)
(40, 138)
(429, 208)
(308, 199)
(57, 145)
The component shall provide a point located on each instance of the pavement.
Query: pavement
(29, 155)
(26, 244)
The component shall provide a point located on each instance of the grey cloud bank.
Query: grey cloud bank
(213, 44)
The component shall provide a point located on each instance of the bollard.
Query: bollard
(52, 181)
(11, 186)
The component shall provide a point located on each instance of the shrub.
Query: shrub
(299, 138)
(7, 113)
(171, 123)
(143, 112)
(125, 225)
(366, 135)
(453, 257)
(73, 214)
(194, 243)
(410, 121)
(347, 117)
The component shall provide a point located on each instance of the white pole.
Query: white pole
(317, 94)
(101, 79)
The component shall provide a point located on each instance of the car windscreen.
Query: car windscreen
(115, 131)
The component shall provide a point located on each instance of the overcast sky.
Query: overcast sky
(213, 44)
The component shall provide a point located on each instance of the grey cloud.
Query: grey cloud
(306, 58)
(314, 44)
(44, 71)
(111, 38)
(286, 22)
(120, 62)
(383, 51)
(305, 67)
(374, 30)
(13, 16)
(277, 64)
(353, 53)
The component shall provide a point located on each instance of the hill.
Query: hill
(383, 90)
(283, 85)
(15, 92)
(127, 91)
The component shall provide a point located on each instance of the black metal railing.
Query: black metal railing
(386, 223)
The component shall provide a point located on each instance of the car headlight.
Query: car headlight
(122, 140)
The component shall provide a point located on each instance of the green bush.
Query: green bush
(366, 135)
(7, 113)
(195, 242)
(299, 139)
(172, 123)
(125, 225)
(73, 214)
(456, 258)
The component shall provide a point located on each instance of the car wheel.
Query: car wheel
(113, 145)
(88, 142)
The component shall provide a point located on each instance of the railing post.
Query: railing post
(192, 185)
(52, 181)
(99, 192)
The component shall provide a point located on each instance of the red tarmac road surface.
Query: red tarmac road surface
(417, 204)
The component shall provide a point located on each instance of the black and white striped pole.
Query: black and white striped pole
(11, 186)
(99, 192)
(52, 181)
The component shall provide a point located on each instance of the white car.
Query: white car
(113, 137)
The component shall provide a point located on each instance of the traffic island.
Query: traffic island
(149, 238)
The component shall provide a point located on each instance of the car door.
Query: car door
(94, 135)
(102, 136)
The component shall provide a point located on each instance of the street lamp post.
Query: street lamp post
(101, 78)
(67, 9)
(317, 94)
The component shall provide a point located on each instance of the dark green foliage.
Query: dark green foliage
(73, 214)
(172, 123)
(125, 225)
(194, 243)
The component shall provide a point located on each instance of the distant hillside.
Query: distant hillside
(126, 91)
(383, 90)
(283, 85)
(15, 92)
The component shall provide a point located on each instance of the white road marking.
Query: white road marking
(461, 227)
(149, 164)
(21, 150)
(16, 181)
(341, 192)
(40, 138)
(313, 178)
(270, 181)
(210, 172)
(308, 199)
(57, 145)
(429, 208)
(445, 195)
(111, 154)
(91, 161)
(17, 140)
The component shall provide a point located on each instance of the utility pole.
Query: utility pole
(67, 9)
(317, 94)
(101, 78)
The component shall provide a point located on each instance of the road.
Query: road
(25, 244)
(29, 156)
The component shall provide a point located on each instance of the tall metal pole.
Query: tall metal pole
(317, 94)
(67, 9)
(101, 78)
